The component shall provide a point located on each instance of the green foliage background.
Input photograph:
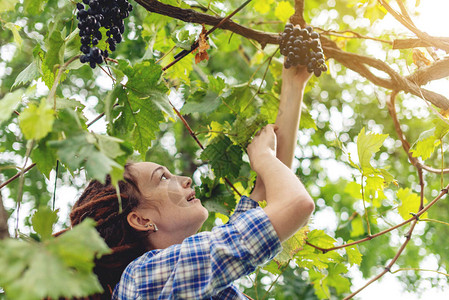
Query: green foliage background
(224, 100)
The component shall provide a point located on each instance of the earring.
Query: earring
(152, 225)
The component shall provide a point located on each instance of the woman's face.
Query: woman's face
(169, 200)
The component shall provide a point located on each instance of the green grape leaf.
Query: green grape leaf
(269, 108)
(55, 52)
(60, 267)
(45, 157)
(374, 11)
(283, 11)
(183, 38)
(36, 121)
(357, 226)
(309, 258)
(110, 101)
(273, 268)
(354, 189)
(306, 120)
(409, 203)
(320, 238)
(224, 157)
(43, 220)
(425, 146)
(353, 253)
(80, 246)
(83, 149)
(243, 129)
(441, 128)
(143, 78)
(9, 103)
(202, 102)
(292, 246)
(7, 5)
(333, 278)
(160, 99)
(367, 145)
(33, 7)
(374, 189)
(15, 31)
(109, 145)
(263, 6)
(181, 70)
(139, 118)
(215, 196)
(239, 99)
(27, 75)
(216, 84)
(319, 282)
(336, 279)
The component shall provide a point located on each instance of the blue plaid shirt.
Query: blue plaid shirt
(204, 265)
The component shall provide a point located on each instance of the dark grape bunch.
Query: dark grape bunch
(108, 14)
(302, 46)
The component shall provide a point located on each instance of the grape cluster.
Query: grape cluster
(302, 46)
(108, 14)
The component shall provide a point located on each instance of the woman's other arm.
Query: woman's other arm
(289, 205)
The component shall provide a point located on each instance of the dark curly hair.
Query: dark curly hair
(99, 201)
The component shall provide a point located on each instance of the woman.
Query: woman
(155, 239)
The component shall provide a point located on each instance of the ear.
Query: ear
(137, 221)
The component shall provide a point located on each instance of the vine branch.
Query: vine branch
(405, 144)
(358, 63)
(406, 22)
(419, 270)
(388, 267)
(191, 16)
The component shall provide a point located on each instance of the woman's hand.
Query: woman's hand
(297, 76)
(263, 145)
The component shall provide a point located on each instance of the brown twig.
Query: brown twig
(95, 120)
(16, 176)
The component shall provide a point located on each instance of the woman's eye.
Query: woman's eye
(163, 177)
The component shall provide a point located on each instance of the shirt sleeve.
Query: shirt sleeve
(204, 264)
(244, 204)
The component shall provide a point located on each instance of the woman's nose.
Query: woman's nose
(186, 182)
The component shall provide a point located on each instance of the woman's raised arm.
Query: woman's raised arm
(294, 81)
